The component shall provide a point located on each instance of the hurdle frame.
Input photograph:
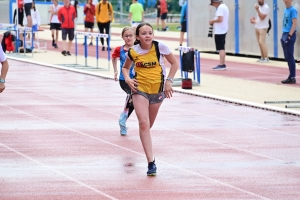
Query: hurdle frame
(97, 36)
(25, 30)
(197, 68)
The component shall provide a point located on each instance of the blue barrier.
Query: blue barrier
(97, 36)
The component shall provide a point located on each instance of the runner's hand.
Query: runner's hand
(168, 89)
(132, 83)
(2, 87)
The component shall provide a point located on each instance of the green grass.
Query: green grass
(172, 26)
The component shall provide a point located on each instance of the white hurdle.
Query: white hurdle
(8, 27)
(97, 36)
(24, 30)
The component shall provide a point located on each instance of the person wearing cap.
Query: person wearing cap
(220, 26)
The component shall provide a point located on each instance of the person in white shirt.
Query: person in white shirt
(36, 20)
(54, 22)
(261, 27)
(220, 26)
(4, 69)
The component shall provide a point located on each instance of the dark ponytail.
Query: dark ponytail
(136, 42)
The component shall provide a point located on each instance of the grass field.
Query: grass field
(172, 26)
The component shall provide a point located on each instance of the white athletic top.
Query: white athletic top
(2, 55)
(35, 16)
(261, 24)
(27, 1)
(221, 27)
(54, 17)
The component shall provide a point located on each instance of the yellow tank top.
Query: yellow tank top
(148, 71)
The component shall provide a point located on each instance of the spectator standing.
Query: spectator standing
(163, 14)
(89, 20)
(183, 18)
(4, 69)
(288, 39)
(27, 8)
(104, 16)
(36, 20)
(136, 13)
(20, 14)
(66, 16)
(220, 25)
(261, 27)
(158, 14)
(54, 22)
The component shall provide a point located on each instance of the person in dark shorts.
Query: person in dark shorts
(183, 18)
(163, 14)
(54, 22)
(128, 36)
(66, 16)
(89, 11)
(158, 14)
(220, 26)
(27, 8)
(19, 12)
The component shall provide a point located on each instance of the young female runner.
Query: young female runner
(119, 52)
(150, 84)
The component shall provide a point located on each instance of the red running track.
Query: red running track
(59, 139)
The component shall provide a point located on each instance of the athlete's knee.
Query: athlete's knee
(144, 124)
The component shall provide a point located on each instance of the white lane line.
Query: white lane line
(58, 172)
(188, 134)
(130, 150)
